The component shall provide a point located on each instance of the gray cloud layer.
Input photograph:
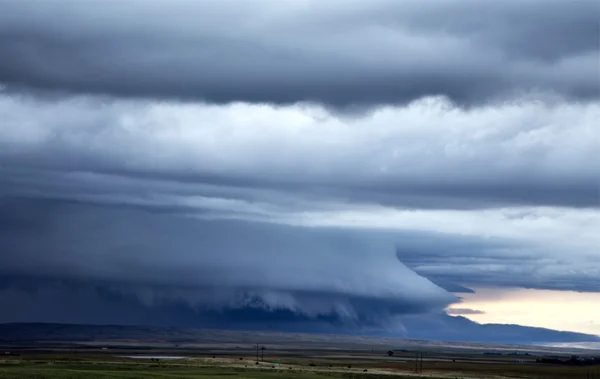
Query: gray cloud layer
(255, 210)
(68, 162)
(464, 311)
(426, 155)
(210, 265)
(337, 52)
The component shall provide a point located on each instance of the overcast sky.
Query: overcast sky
(346, 162)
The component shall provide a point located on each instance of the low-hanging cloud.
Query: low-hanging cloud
(209, 265)
(463, 311)
(341, 53)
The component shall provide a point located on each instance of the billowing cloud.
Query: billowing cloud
(341, 53)
(211, 264)
(149, 195)
(317, 163)
(429, 154)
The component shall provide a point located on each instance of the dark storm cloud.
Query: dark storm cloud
(338, 53)
(303, 166)
(88, 303)
(127, 252)
(28, 297)
(210, 265)
(296, 212)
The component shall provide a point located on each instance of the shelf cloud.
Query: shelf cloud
(321, 163)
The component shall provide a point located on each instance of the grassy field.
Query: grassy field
(120, 371)
(98, 368)
(106, 352)
(279, 362)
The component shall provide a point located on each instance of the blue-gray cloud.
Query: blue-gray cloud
(211, 265)
(257, 197)
(339, 53)
(463, 311)
(149, 195)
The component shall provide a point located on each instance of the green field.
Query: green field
(106, 352)
(279, 362)
(114, 371)
(363, 366)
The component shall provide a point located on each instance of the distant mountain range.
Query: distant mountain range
(458, 328)
(453, 329)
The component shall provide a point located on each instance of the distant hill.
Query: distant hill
(458, 328)
(455, 329)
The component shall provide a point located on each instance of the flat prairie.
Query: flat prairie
(131, 352)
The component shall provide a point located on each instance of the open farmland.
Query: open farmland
(121, 352)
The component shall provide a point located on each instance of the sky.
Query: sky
(301, 165)
(564, 310)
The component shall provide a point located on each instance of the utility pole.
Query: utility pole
(418, 362)
(257, 352)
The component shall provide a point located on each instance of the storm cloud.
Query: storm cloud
(341, 53)
(428, 154)
(153, 156)
(198, 207)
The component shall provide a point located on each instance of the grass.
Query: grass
(114, 371)
(294, 365)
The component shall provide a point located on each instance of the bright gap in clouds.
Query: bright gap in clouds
(561, 310)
